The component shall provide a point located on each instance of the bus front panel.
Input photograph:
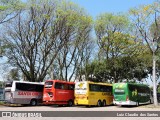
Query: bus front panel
(120, 92)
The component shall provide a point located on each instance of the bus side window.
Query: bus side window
(102, 88)
(21, 86)
(61, 86)
(71, 87)
(92, 87)
(65, 86)
(31, 87)
(39, 88)
(58, 86)
(108, 88)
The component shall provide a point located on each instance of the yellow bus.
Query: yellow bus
(91, 93)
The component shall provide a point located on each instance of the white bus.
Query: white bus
(20, 92)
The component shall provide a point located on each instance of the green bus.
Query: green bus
(131, 94)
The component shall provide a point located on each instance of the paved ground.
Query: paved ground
(82, 108)
(79, 108)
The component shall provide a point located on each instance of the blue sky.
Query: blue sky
(96, 7)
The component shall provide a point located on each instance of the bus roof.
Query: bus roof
(99, 83)
(24, 82)
(138, 84)
(61, 81)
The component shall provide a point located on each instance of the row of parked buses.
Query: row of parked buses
(79, 93)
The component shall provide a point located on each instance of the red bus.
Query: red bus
(58, 92)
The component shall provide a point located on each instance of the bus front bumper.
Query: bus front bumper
(124, 102)
(10, 101)
(81, 102)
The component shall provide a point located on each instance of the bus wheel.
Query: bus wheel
(99, 103)
(33, 102)
(70, 103)
(104, 103)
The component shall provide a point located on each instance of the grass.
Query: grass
(5, 104)
(1, 102)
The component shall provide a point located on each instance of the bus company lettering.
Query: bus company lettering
(143, 94)
(107, 93)
(28, 93)
(80, 88)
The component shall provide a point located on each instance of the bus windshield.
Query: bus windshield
(81, 88)
(48, 84)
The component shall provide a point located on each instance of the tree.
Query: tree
(9, 9)
(77, 26)
(145, 19)
(13, 74)
(1, 84)
(117, 47)
(52, 34)
(35, 39)
(125, 67)
(110, 27)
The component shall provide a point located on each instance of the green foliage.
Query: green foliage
(146, 21)
(113, 39)
(73, 15)
(117, 69)
(1, 84)
(14, 74)
(110, 22)
(119, 52)
(77, 27)
(9, 9)
(2, 102)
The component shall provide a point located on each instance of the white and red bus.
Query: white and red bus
(58, 92)
(20, 92)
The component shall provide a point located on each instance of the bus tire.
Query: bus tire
(33, 102)
(99, 103)
(70, 103)
(104, 103)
